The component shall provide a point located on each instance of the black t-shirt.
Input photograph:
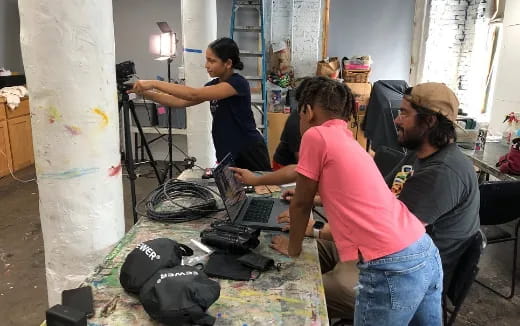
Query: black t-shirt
(442, 191)
(233, 122)
(289, 141)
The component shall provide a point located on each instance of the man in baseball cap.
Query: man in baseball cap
(440, 186)
(436, 97)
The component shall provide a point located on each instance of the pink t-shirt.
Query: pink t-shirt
(363, 213)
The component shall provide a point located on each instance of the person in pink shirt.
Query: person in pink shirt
(400, 279)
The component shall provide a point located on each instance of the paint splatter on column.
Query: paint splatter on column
(73, 130)
(114, 170)
(68, 174)
(53, 114)
(103, 115)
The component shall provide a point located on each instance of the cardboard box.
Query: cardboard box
(328, 68)
(361, 92)
(280, 58)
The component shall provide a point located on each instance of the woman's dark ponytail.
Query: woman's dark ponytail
(238, 65)
(225, 48)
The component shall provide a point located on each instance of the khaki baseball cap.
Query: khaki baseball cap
(436, 97)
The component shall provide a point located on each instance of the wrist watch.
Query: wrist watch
(316, 229)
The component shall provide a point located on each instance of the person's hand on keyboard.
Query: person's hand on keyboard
(287, 195)
(284, 217)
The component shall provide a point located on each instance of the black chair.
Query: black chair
(387, 158)
(463, 277)
(499, 205)
(378, 125)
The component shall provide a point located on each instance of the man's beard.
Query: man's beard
(411, 139)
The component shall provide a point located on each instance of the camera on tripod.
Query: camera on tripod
(124, 71)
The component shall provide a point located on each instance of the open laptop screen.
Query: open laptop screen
(230, 189)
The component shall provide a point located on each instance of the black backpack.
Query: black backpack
(180, 296)
(147, 258)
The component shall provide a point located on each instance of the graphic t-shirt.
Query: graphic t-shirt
(442, 191)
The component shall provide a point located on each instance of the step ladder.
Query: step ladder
(242, 9)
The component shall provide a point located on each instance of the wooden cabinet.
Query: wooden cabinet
(16, 146)
(3, 114)
(5, 149)
(20, 138)
(21, 110)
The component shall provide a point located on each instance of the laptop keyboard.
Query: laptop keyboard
(259, 210)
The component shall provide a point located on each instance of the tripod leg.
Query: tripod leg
(129, 157)
(170, 153)
(136, 149)
(144, 143)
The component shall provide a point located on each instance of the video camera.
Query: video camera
(124, 71)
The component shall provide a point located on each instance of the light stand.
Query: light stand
(164, 45)
(169, 168)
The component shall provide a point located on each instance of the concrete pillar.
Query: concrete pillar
(68, 56)
(199, 28)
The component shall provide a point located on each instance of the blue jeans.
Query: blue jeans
(403, 288)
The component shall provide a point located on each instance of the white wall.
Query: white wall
(380, 28)
(507, 95)
(10, 55)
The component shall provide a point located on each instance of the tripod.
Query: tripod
(128, 106)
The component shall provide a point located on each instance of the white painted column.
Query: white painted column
(68, 56)
(199, 28)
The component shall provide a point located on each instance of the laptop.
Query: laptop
(258, 212)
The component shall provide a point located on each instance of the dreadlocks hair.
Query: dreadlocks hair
(334, 97)
(442, 132)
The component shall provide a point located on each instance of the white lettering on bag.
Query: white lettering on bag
(148, 251)
(177, 274)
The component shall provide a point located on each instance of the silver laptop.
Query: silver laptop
(259, 212)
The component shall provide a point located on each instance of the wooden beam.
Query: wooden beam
(325, 33)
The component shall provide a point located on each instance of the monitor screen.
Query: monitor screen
(230, 189)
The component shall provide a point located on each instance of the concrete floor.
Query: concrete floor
(23, 296)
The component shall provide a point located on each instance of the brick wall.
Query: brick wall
(281, 20)
(472, 67)
(443, 45)
(306, 36)
(456, 48)
(299, 21)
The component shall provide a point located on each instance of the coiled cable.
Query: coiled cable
(178, 201)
